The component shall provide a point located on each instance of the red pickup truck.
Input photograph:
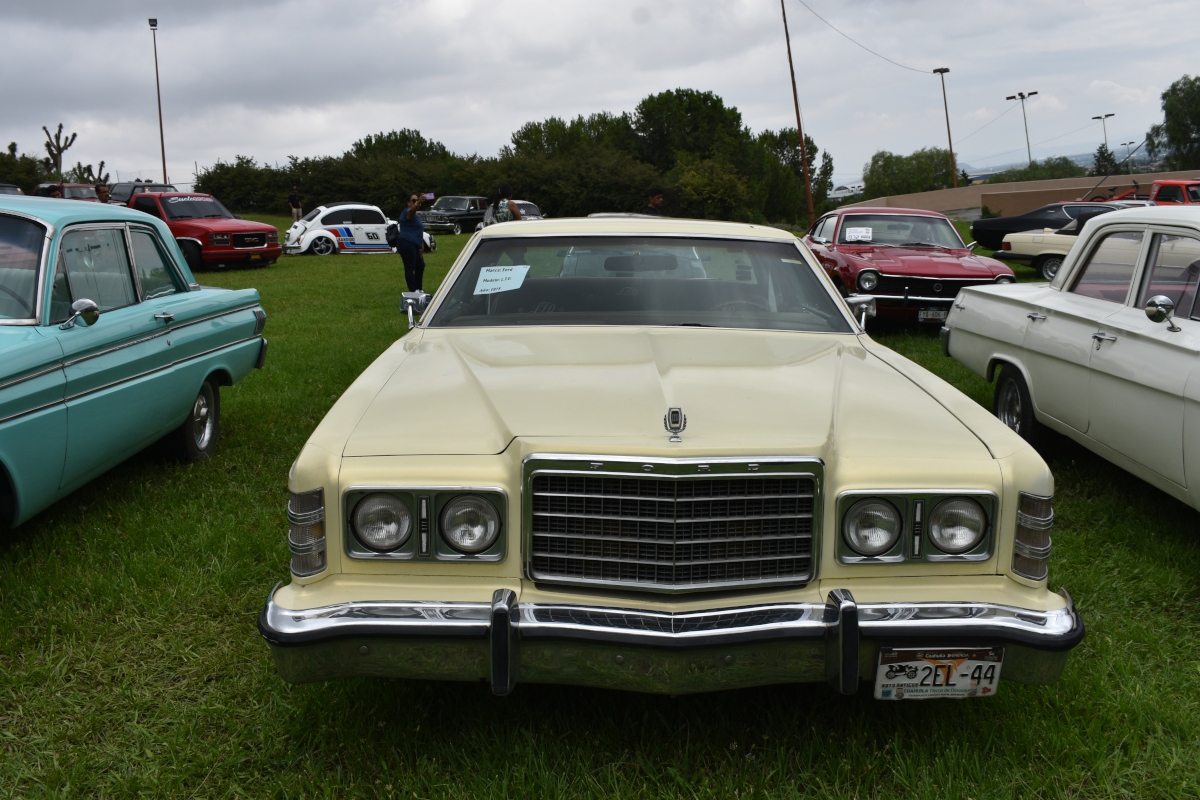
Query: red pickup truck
(207, 233)
(1163, 193)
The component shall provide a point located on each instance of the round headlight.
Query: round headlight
(868, 280)
(957, 525)
(470, 524)
(1005, 279)
(382, 522)
(871, 527)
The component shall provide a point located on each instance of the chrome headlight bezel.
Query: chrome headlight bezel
(915, 544)
(382, 501)
(866, 276)
(880, 505)
(946, 507)
(466, 504)
(426, 542)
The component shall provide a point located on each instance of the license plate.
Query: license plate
(255, 257)
(932, 314)
(919, 674)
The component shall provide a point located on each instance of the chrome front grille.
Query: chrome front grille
(677, 526)
(245, 240)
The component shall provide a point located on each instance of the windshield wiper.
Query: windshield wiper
(183, 216)
(925, 244)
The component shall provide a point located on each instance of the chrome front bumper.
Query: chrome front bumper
(506, 642)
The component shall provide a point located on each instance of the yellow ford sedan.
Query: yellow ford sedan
(663, 456)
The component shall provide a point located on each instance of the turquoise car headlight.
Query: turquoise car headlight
(871, 527)
(382, 522)
(957, 525)
(470, 524)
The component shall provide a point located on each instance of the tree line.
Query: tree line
(688, 143)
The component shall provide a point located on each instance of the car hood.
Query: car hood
(927, 263)
(456, 392)
(223, 225)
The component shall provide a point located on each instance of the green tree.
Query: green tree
(1044, 170)
(1176, 140)
(1106, 162)
(56, 145)
(21, 170)
(404, 143)
(922, 171)
(689, 121)
(86, 173)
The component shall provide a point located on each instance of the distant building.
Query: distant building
(846, 190)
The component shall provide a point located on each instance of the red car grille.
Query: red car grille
(243, 240)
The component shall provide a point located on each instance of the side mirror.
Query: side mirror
(862, 307)
(415, 303)
(972, 245)
(82, 309)
(1159, 309)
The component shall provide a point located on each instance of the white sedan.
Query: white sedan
(1108, 353)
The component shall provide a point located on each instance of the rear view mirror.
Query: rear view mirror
(82, 310)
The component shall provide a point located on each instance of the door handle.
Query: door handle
(165, 317)
(1035, 316)
(1101, 338)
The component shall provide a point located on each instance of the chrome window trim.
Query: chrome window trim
(172, 267)
(728, 466)
(497, 552)
(927, 552)
(158, 333)
(1095, 240)
(124, 226)
(40, 278)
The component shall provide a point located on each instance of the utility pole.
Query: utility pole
(799, 126)
(941, 72)
(1104, 125)
(1128, 160)
(1022, 96)
(158, 91)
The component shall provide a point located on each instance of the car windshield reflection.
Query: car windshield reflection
(450, 204)
(194, 206)
(899, 230)
(21, 244)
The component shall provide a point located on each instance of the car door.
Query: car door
(115, 382)
(370, 229)
(1141, 368)
(818, 241)
(338, 222)
(1059, 338)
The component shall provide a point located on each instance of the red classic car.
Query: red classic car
(207, 233)
(913, 262)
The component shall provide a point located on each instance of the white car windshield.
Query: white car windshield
(581, 280)
(450, 204)
(79, 193)
(21, 244)
(899, 230)
(195, 207)
(528, 209)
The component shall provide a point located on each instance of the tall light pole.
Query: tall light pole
(941, 72)
(799, 127)
(158, 91)
(1022, 96)
(1128, 160)
(1104, 125)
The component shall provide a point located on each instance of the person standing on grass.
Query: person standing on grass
(411, 241)
(505, 210)
(294, 204)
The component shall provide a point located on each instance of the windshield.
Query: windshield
(79, 192)
(528, 209)
(898, 230)
(1193, 194)
(578, 280)
(194, 206)
(450, 204)
(21, 242)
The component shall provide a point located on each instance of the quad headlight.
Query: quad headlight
(470, 524)
(382, 522)
(868, 279)
(957, 525)
(871, 527)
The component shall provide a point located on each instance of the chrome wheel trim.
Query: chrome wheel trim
(202, 418)
(1050, 268)
(457, 229)
(1009, 407)
(322, 246)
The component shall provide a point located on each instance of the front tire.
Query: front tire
(196, 438)
(322, 246)
(1013, 406)
(457, 229)
(1049, 266)
(192, 255)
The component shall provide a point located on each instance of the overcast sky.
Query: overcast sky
(273, 78)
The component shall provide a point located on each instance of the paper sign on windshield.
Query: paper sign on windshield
(501, 279)
(858, 234)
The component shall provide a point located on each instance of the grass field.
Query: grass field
(130, 663)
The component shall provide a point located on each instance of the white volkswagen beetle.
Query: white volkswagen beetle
(1107, 353)
(343, 227)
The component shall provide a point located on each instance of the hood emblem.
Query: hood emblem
(675, 422)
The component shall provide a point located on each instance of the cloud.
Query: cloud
(1124, 94)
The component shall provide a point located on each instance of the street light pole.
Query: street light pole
(1128, 161)
(162, 142)
(941, 72)
(799, 127)
(1022, 96)
(1104, 125)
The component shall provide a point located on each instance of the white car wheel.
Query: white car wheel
(1049, 267)
(457, 229)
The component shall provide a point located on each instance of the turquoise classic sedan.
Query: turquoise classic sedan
(107, 344)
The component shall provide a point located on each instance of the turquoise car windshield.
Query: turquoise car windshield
(21, 243)
(640, 280)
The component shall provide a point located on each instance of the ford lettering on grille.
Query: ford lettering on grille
(671, 532)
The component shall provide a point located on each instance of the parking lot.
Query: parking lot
(130, 662)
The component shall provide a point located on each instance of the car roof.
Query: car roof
(634, 226)
(463, 196)
(180, 194)
(917, 212)
(337, 203)
(59, 212)
(1149, 215)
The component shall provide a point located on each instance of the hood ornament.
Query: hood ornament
(675, 422)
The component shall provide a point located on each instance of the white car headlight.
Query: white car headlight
(871, 527)
(1005, 279)
(868, 280)
(470, 524)
(957, 525)
(382, 522)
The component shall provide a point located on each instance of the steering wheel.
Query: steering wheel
(734, 308)
(17, 297)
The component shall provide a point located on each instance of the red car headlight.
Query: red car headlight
(273, 237)
(218, 239)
